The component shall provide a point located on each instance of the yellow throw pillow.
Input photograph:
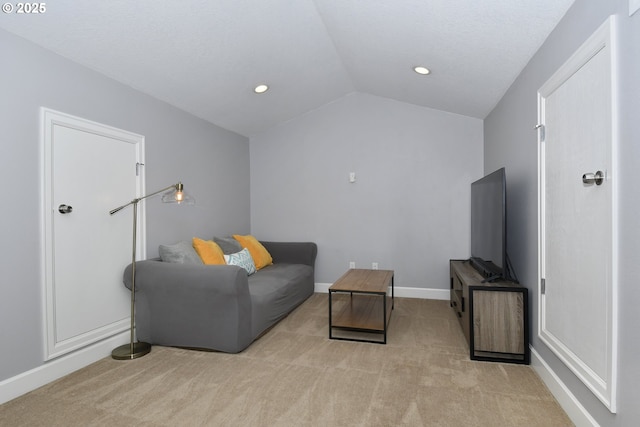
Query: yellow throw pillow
(261, 257)
(209, 252)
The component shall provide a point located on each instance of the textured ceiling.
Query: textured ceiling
(205, 57)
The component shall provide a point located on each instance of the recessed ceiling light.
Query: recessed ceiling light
(261, 89)
(422, 70)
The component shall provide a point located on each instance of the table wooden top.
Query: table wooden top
(362, 280)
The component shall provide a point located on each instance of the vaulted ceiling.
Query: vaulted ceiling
(206, 56)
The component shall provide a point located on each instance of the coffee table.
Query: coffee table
(359, 302)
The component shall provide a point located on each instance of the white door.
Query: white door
(90, 169)
(577, 221)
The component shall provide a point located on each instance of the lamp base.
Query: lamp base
(124, 351)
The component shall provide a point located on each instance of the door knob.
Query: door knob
(590, 178)
(64, 209)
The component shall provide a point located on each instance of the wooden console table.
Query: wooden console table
(366, 306)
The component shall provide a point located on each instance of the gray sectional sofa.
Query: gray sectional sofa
(219, 307)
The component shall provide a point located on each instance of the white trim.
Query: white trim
(55, 346)
(615, 166)
(603, 385)
(50, 371)
(402, 292)
(576, 412)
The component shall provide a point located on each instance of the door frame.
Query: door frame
(53, 346)
(603, 388)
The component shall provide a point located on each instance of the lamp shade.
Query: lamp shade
(178, 195)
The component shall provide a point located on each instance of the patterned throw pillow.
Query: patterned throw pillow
(242, 259)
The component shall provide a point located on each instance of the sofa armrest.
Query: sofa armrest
(199, 306)
(156, 275)
(292, 252)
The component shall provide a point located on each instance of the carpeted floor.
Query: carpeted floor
(295, 376)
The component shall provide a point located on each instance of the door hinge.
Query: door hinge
(543, 286)
(541, 133)
(138, 164)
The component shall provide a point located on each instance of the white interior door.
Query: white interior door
(91, 168)
(577, 215)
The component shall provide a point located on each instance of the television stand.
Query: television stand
(494, 316)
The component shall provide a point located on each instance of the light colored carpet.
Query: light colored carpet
(295, 376)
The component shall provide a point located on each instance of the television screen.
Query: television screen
(488, 225)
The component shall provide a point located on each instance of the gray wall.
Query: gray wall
(212, 163)
(409, 207)
(511, 141)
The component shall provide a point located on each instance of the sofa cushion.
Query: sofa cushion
(259, 253)
(209, 251)
(242, 259)
(276, 290)
(181, 253)
(229, 245)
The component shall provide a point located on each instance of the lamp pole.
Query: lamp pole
(133, 350)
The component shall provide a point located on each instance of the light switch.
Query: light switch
(352, 177)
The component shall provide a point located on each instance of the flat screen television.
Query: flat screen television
(489, 227)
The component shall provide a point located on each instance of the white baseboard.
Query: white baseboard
(401, 292)
(576, 412)
(52, 370)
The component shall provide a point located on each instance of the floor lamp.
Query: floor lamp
(173, 194)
